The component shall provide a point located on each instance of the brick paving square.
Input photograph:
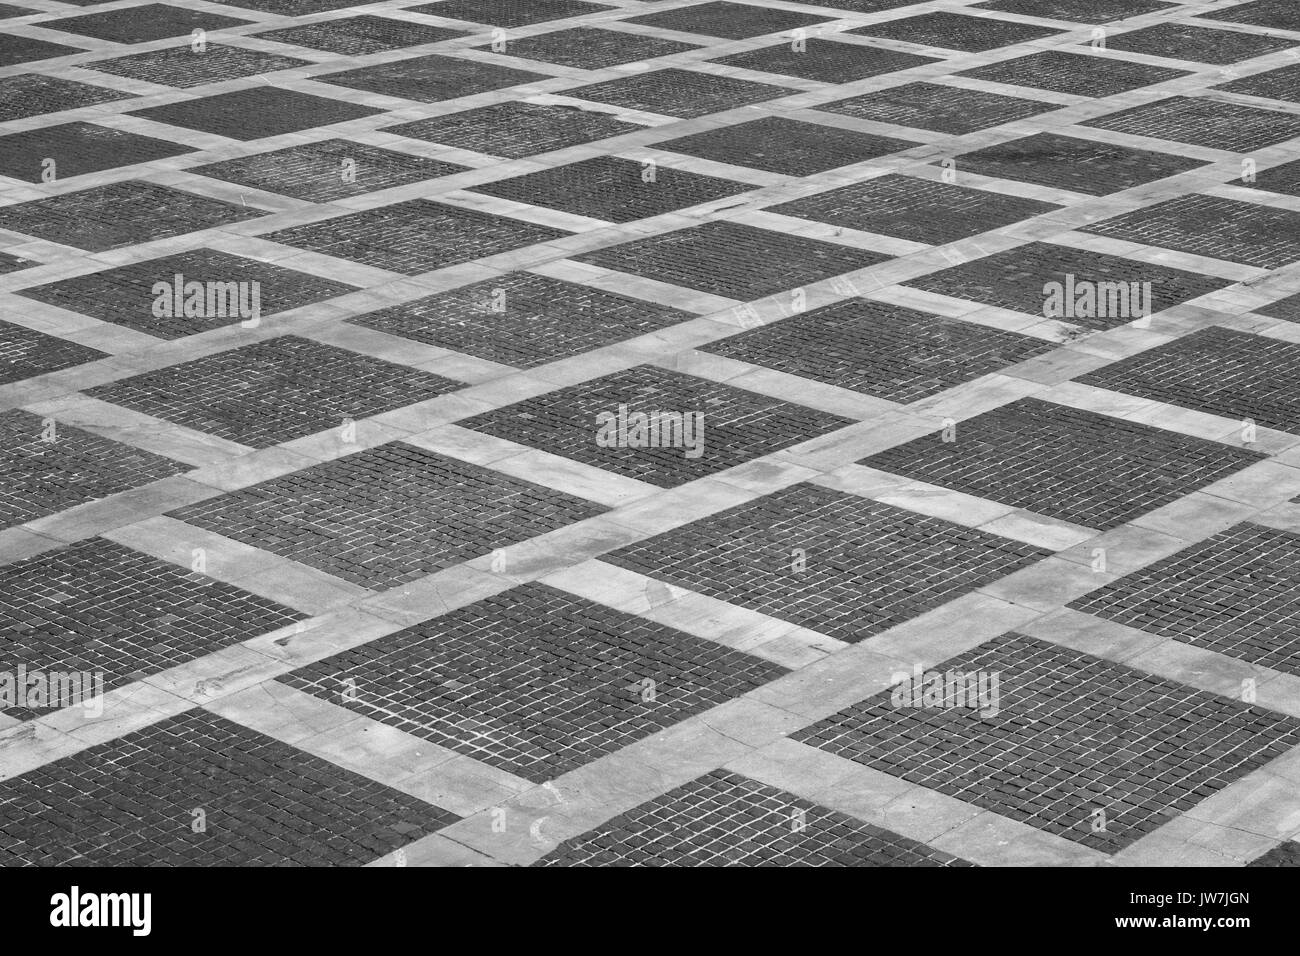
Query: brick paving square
(684, 94)
(8, 10)
(120, 214)
(19, 49)
(718, 426)
(1288, 308)
(590, 48)
(1080, 74)
(274, 391)
(358, 36)
(886, 351)
(779, 145)
(732, 259)
(1220, 371)
(861, 6)
(1183, 41)
(34, 94)
(1276, 14)
(414, 236)
(510, 13)
(429, 79)
(387, 515)
(1095, 11)
(1279, 84)
(125, 296)
(256, 112)
(825, 60)
(289, 8)
(1261, 236)
(916, 209)
(10, 263)
(515, 129)
(724, 819)
(1093, 751)
(943, 109)
(535, 681)
(132, 802)
(152, 21)
(181, 67)
(99, 606)
(612, 189)
(25, 353)
(1236, 593)
(522, 319)
(734, 21)
(78, 149)
(1283, 179)
(1284, 854)
(1066, 463)
(954, 31)
(1203, 122)
(327, 171)
(74, 466)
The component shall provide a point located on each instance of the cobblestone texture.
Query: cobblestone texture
(1277, 14)
(77, 149)
(431, 78)
(183, 67)
(152, 21)
(1284, 854)
(256, 112)
(25, 353)
(944, 109)
(1204, 122)
(954, 31)
(825, 60)
(589, 48)
(681, 93)
(1080, 74)
(1097, 11)
(1280, 84)
(34, 94)
(735, 21)
(358, 36)
(19, 49)
(1182, 41)
(510, 13)
(515, 130)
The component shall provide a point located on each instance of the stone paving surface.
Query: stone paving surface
(650, 432)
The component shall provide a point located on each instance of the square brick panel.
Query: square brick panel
(34, 94)
(724, 819)
(387, 515)
(358, 36)
(274, 391)
(152, 21)
(125, 296)
(1283, 179)
(1067, 162)
(954, 31)
(8, 10)
(522, 319)
(131, 802)
(915, 209)
(1220, 371)
(182, 67)
(1182, 41)
(1284, 854)
(737, 425)
(18, 49)
(10, 263)
(681, 93)
(1236, 593)
(1280, 84)
(825, 61)
(881, 350)
(612, 189)
(731, 259)
(120, 214)
(1261, 236)
(735, 21)
(26, 353)
(315, 171)
(430, 79)
(1081, 74)
(861, 6)
(779, 145)
(535, 681)
(1288, 308)
(414, 236)
(1203, 122)
(1277, 14)
(1095, 11)
(590, 48)
(256, 112)
(97, 605)
(1073, 735)
(289, 8)
(44, 477)
(869, 566)
(943, 109)
(1014, 279)
(515, 129)
(1066, 463)
(510, 13)
(78, 149)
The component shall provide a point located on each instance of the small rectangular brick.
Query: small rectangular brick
(26, 353)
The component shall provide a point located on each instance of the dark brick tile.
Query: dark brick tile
(256, 112)
(1093, 751)
(590, 48)
(779, 145)
(944, 109)
(1183, 41)
(315, 171)
(430, 78)
(78, 149)
(535, 681)
(1284, 854)
(955, 31)
(10, 263)
(886, 351)
(1068, 162)
(182, 67)
(915, 209)
(152, 21)
(1280, 84)
(8, 10)
(522, 319)
(509, 13)
(1066, 463)
(132, 802)
(1220, 371)
(44, 477)
(825, 60)
(274, 391)
(1236, 593)
(1276, 14)
(861, 6)
(1082, 74)
(735, 21)
(99, 606)
(724, 426)
(731, 259)
(866, 566)
(18, 49)
(1015, 278)
(1288, 308)
(289, 8)
(681, 93)
(125, 295)
(357, 36)
(1261, 236)
(120, 214)
(1203, 122)
(26, 353)
(724, 819)
(1283, 179)
(388, 515)
(516, 129)
(1095, 11)
(415, 236)
(34, 94)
